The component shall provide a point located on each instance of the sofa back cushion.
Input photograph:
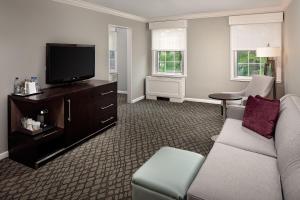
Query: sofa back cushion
(287, 143)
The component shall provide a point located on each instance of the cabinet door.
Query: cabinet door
(78, 116)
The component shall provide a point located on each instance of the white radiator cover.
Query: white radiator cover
(169, 87)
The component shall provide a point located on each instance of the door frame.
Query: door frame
(129, 59)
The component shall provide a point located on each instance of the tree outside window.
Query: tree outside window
(169, 62)
(247, 64)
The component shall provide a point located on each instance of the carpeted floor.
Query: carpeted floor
(102, 167)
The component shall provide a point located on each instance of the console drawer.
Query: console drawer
(103, 122)
(106, 90)
(106, 95)
(105, 115)
(106, 119)
(106, 101)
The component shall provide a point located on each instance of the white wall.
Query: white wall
(122, 58)
(25, 28)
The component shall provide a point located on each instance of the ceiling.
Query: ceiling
(151, 9)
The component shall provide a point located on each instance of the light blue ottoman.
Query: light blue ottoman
(166, 175)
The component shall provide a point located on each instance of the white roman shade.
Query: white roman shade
(253, 36)
(169, 40)
(169, 36)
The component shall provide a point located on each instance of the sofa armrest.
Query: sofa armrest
(235, 112)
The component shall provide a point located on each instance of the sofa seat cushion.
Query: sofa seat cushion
(234, 134)
(230, 173)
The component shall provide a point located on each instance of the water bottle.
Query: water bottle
(17, 86)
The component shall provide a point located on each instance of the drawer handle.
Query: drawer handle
(105, 107)
(69, 110)
(109, 119)
(106, 93)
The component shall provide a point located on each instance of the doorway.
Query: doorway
(120, 59)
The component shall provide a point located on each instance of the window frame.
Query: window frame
(254, 31)
(166, 61)
(155, 63)
(234, 66)
(116, 62)
(112, 47)
(169, 26)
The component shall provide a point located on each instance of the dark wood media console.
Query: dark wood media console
(76, 113)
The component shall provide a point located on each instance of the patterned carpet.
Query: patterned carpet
(102, 167)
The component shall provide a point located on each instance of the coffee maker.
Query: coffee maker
(42, 117)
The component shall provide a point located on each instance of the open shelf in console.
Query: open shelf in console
(20, 109)
(35, 149)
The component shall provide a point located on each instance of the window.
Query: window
(112, 61)
(247, 64)
(169, 48)
(169, 62)
(247, 33)
(112, 50)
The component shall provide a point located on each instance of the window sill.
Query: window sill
(241, 79)
(170, 75)
(248, 79)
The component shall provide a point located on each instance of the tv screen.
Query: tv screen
(69, 62)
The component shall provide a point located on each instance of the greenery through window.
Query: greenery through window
(169, 61)
(112, 61)
(247, 64)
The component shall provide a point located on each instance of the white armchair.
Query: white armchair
(259, 85)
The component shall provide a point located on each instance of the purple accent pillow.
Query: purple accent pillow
(261, 115)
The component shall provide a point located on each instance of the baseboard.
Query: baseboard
(122, 92)
(3, 155)
(137, 99)
(211, 101)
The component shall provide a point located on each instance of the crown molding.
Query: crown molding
(284, 5)
(219, 14)
(101, 9)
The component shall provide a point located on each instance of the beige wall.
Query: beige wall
(292, 48)
(25, 28)
(209, 58)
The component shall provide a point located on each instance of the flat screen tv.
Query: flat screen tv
(69, 62)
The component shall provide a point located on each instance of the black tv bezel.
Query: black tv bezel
(72, 79)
